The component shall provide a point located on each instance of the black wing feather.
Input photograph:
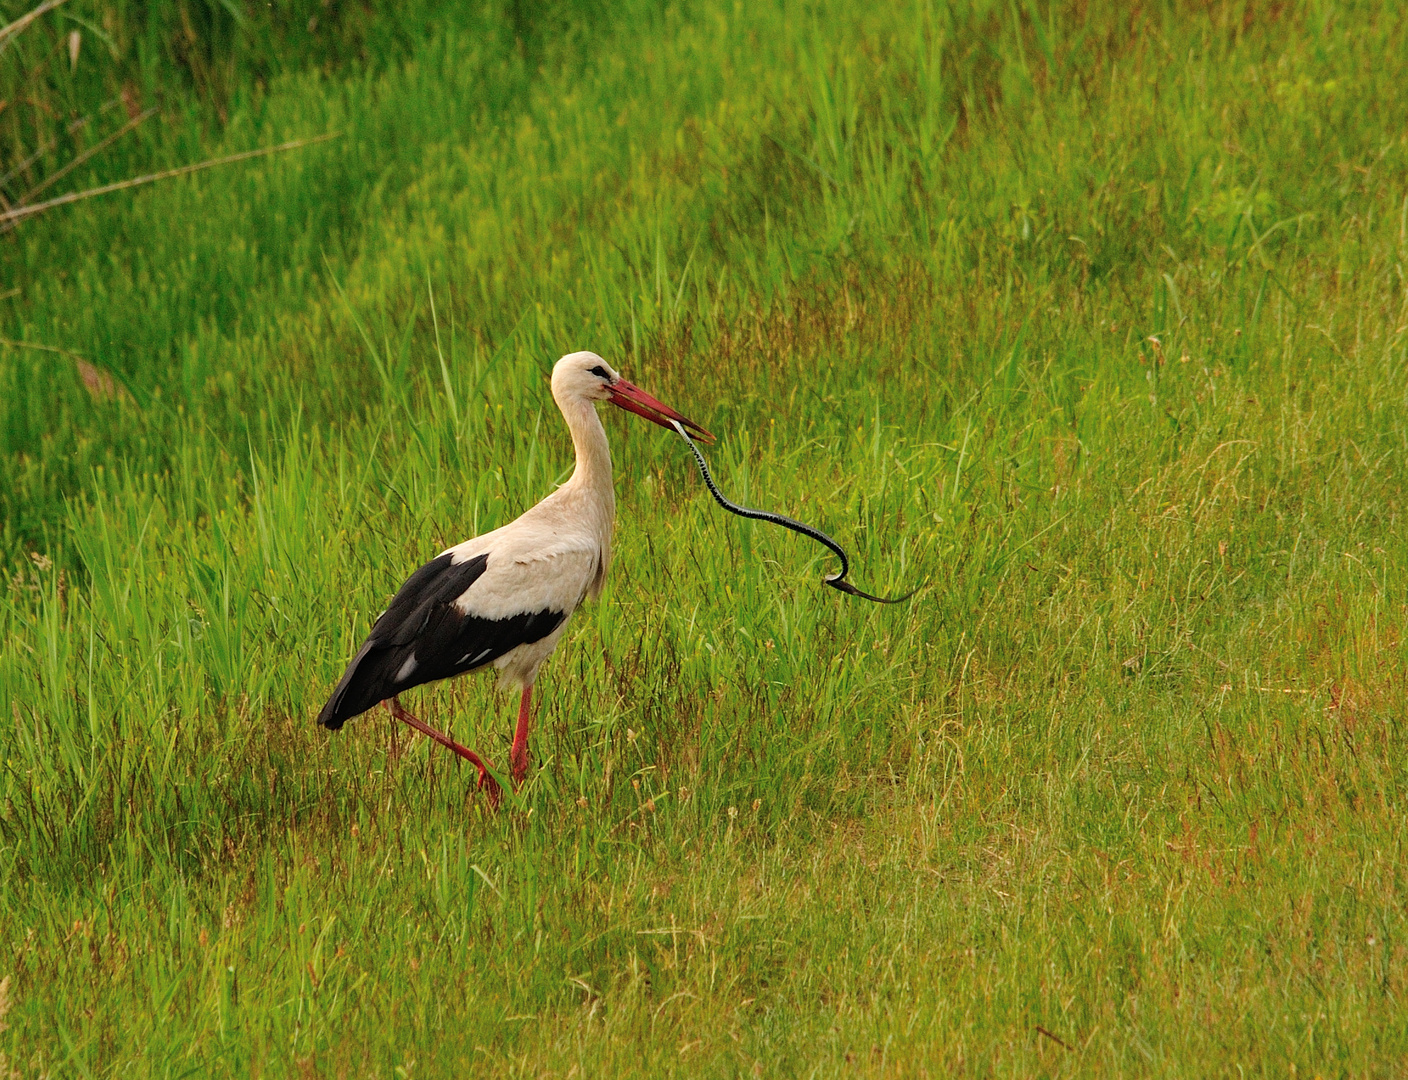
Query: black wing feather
(422, 622)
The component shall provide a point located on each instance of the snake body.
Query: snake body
(836, 581)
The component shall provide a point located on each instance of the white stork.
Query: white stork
(504, 598)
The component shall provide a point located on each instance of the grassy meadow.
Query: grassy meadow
(1090, 317)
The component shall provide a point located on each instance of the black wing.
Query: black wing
(422, 637)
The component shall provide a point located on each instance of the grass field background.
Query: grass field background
(1092, 318)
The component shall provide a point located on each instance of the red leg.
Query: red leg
(519, 757)
(486, 781)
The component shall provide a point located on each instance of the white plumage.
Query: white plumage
(506, 597)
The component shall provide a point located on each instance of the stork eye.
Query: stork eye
(600, 372)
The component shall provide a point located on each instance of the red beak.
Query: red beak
(633, 399)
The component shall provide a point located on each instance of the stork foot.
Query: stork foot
(491, 789)
(487, 783)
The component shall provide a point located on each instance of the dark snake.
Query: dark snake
(836, 581)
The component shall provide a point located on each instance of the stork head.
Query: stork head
(584, 376)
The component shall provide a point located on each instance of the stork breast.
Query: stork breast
(536, 580)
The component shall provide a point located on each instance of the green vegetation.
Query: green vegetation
(1092, 317)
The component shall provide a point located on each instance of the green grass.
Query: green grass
(1129, 769)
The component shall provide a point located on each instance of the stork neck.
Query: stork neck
(593, 470)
